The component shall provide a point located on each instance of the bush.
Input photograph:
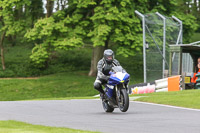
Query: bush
(18, 63)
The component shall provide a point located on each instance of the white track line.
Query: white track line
(167, 106)
(163, 105)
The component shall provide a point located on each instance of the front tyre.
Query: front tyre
(123, 100)
(107, 107)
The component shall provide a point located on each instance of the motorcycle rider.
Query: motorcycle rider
(194, 77)
(104, 66)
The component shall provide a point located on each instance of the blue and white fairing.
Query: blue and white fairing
(117, 77)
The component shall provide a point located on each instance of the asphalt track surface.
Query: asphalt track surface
(89, 115)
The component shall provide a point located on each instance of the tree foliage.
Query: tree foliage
(190, 25)
(116, 23)
(101, 23)
(8, 18)
(55, 32)
(92, 21)
(11, 24)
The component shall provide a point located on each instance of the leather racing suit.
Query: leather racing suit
(101, 77)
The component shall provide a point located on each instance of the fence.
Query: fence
(159, 32)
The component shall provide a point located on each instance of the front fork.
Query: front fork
(117, 93)
(118, 89)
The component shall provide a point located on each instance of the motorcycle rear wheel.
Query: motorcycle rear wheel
(124, 101)
(107, 107)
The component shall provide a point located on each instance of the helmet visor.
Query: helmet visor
(109, 57)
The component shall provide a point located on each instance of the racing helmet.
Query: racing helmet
(108, 56)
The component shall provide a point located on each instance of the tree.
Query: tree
(115, 23)
(10, 23)
(34, 11)
(186, 11)
(49, 7)
(55, 32)
(101, 23)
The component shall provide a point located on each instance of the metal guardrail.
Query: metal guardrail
(194, 43)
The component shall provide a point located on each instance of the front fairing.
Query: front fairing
(118, 78)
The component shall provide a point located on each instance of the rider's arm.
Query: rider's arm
(118, 64)
(100, 73)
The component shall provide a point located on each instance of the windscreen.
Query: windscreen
(117, 69)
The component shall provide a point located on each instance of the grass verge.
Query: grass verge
(21, 127)
(56, 86)
(185, 98)
(61, 86)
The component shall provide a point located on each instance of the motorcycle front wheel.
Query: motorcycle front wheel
(123, 102)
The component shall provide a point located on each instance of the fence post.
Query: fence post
(164, 39)
(144, 44)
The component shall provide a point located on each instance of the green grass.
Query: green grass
(62, 85)
(185, 98)
(195, 37)
(56, 86)
(77, 85)
(20, 127)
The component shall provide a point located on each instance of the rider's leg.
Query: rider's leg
(98, 86)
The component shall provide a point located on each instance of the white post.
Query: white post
(180, 36)
(144, 44)
(194, 43)
(164, 39)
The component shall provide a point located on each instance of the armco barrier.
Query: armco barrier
(161, 83)
(167, 84)
(162, 90)
(143, 89)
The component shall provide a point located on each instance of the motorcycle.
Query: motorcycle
(116, 90)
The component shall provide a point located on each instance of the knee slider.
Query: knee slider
(97, 85)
